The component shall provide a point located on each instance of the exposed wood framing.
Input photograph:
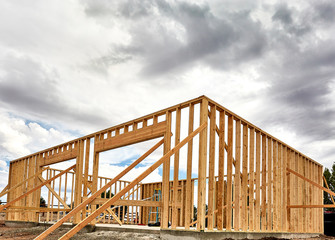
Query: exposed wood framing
(250, 180)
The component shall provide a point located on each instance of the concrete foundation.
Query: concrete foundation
(20, 224)
(214, 235)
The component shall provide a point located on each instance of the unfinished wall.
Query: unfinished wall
(234, 175)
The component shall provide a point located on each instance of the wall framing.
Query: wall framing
(239, 177)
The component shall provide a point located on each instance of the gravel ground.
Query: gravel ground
(32, 232)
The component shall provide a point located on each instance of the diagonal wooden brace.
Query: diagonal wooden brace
(54, 192)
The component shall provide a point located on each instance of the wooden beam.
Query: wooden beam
(175, 214)
(110, 211)
(229, 174)
(325, 181)
(310, 181)
(166, 173)
(35, 188)
(252, 180)
(237, 178)
(264, 150)
(211, 167)
(93, 215)
(122, 202)
(53, 192)
(143, 134)
(37, 209)
(313, 206)
(189, 189)
(202, 166)
(258, 183)
(244, 202)
(98, 193)
(221, 191)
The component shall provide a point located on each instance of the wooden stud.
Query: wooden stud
(237, 177)
(211, 165)
(166, 174)
(244, 202)
(264, 215)
(189, 189)
(202, 166)
(176, 172)
(221, 191)
(258, 183)
(251, 180)
(229, 174)
(272, 161)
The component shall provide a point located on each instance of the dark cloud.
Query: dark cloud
(300, 72)
(220, 42)
(27, 87)
(325, 11)
(283, 14)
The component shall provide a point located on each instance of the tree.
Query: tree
(43, 202)
(330, 178)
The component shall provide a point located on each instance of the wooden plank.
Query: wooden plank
(272, 167)
(166, 174)
(275, 206)
(320, 199)
(229, 174)
(36, 188)
(66, 155)
(244, 201)
(300, 194)
(310, 181)
(252, 180)
(86, 167)
(221, 171)
(237, 177)
(79, 179)
(125, 139)
(176, 172)
(111, 201)
(202, 166)
(98, 193)
(189, 189)
(110, 211)
(258, 182)
(264, 150)
(211, 167)
(313, 206)
(285, 190)
(278, 202)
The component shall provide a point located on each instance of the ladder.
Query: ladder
(155, 210)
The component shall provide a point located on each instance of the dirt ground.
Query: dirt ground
(31, 233)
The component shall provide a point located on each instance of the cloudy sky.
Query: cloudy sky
(70, 68)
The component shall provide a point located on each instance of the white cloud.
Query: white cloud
(18, 138)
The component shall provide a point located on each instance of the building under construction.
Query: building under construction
(220, 173)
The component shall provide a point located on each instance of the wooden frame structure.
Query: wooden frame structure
(231, 176)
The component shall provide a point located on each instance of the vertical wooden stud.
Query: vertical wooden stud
(211, 166)
(221, 191)
(202, 168)
(189, 189)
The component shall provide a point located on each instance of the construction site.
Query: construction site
(222, 177)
